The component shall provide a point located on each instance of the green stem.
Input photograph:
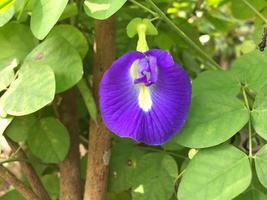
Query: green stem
(179, 176)
(154, 18)
(22, 9)
(255, 11)
(245, 98)
(250, 155)
(88, 98)
(144, 7)
(190, 42)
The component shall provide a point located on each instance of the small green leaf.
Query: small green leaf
(20, 127)
(73, 36)
(33, 89)
(22, 39)
(12, 195)
(220, 173)
(133, 26)
(241, 11)
(124, 159)
(63, 59)
(250, 70)
(154, 177)
(88, 99)
(210, 121)
(70, 10)
(4, 123)
(51, 184)
(261, 165)
(119, 196)
(45, 15)
(102, 9)
(259, 113)
(212, 82)
(6, 16)
(7, 76)
(49, 140)
(252, 194)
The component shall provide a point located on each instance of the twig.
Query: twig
(262, 43)
(11, 179)
(28, 170)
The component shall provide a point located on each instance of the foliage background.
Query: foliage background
(46, 47)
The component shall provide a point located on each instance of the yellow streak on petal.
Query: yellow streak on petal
(133, 70)
(144, 98)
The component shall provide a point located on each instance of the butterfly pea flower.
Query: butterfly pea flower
(145, 95)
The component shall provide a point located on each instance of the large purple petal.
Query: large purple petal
(170, 96)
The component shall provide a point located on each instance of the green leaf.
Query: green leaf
(102, 9)
(210, 121)
(250, 70)
(45, 15)
(154, 177)
(241, 11)
(71, 10)
(51, 184)
(63, 59)
(120, 196)
(6, 16)
(124, 159)
(88, 99)
(252, 194)
(73, 36)
(132, 27)
(220, 173)
(22, 39)
(213, 82)
(12, 195)
(49, 140)
(7, 76)
(261, 165)
(20, 127)
(259, 113)
(255, 191)
(4, 123)
(33, 89)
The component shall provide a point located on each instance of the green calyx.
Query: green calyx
(141, 27)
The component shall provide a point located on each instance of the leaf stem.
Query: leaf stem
(255, 11)
(250, 155)
(190, 42)
(144, 7)
(22, 9)
(88, 98)
(250, 147)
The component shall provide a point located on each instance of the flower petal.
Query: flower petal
(164, 58)
(169, 99)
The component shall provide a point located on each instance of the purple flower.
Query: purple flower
(145, 96)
